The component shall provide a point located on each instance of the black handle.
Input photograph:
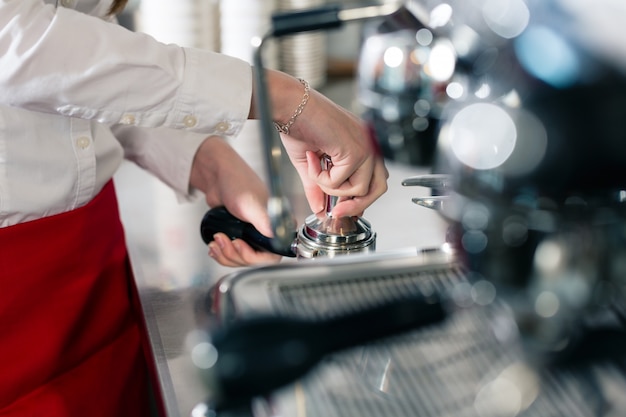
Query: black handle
(258, 355)
(218, 219)
(326, 17)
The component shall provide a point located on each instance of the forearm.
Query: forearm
(227, 180)
(166, 153)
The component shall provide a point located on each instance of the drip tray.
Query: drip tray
(454, 369)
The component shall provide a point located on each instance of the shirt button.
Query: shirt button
(222, 127)
(83, 142)
(190, 121)
(128, 119)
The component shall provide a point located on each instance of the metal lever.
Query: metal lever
(442, 181)
(433, 203)
(436, 182)
(326, 17)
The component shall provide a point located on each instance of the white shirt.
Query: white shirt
(77, 93)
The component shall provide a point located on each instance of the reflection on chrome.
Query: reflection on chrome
(482, 136)
(507, 18)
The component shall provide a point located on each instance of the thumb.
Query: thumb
(255, 213)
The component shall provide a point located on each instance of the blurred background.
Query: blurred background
(227, 26)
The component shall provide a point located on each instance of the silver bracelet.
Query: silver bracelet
(284, 128)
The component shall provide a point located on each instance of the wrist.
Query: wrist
(284, 127)
(288, 96)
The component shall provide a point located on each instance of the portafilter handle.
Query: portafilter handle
(220, 220)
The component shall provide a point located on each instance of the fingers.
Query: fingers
(364, 186)
(348, 179)
(237, 253)
(356, 205)
(249, 209)
(344, 178)
(314, 195)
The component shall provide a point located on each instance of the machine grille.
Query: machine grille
(438, 371)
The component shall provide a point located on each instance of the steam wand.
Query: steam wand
(282, 24)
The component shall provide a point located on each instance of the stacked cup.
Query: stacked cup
(240, 22)
(303, 55)
(190, 23)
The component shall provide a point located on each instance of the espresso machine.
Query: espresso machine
(518, 109)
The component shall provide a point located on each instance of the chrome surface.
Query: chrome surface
(430, 180)
(434, 203)
(336, 231)
(363, 13)
(341, 237)
(261, 290)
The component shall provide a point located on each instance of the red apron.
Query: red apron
(70, 341)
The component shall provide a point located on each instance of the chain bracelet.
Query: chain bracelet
(284, 128)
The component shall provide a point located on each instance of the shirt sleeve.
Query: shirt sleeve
(166, 153)
(65, 62)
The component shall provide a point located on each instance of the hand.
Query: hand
(226, 179)
(358, 172)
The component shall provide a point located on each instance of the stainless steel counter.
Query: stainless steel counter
(173, 271)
